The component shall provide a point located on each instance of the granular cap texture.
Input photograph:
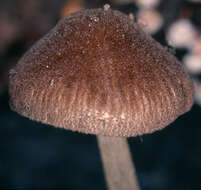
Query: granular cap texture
(97, 72)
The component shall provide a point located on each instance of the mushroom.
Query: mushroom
(97, 72)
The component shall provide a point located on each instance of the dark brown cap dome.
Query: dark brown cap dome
(98, 72)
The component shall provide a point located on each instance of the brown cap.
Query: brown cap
(97, 72)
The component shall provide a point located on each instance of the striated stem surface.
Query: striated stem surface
(117, 162)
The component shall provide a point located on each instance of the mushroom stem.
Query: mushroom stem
(117, 162)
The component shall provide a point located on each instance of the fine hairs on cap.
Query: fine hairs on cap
(97, 72)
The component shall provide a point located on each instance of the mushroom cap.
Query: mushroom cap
(97, 72)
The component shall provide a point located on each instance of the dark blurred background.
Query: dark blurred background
(38, 156)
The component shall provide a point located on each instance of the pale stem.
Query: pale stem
(117, 162)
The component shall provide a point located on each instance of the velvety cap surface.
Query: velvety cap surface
(97, 72)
